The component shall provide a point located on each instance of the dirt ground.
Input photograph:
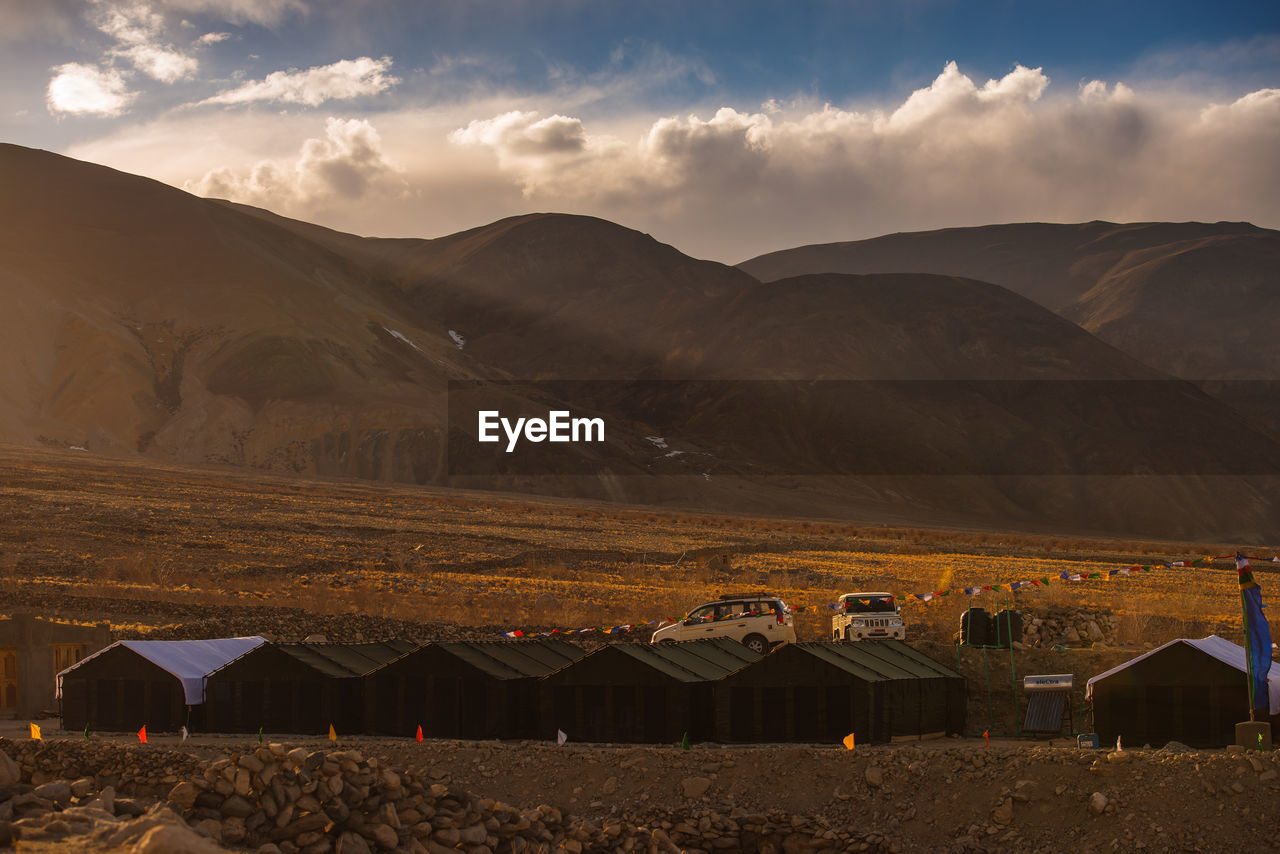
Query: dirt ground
(950, 794)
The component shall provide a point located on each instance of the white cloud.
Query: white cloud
(85, 90)
(339, 81)
(212, 38)
(163, 64)
(953, 152)
(138, 30)
(263, 12)
(344, 166)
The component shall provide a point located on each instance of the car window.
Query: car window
(701, 613)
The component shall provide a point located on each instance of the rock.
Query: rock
(352, 843)
(1097, 803)
(174, 839)
(10, 773)
(8, 833)
(385, 837)
(874, 776)
(1177, 747)
(1025, 791)
(182, 797)
(1070, 635)
(1094, 631)
(108, 798)
(610, 786)
(1003, 814)
(59, 791)
(237, 807)
(696, 787)
(82, 787)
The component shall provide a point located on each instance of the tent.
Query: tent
(156, 683)
(635, 692)
(822, 692)
(1192, 691)
(296, 687)
(484, 689)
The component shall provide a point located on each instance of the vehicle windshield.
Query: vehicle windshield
(870, 605)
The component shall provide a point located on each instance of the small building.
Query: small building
(32, 653)
(296, 687)
(136, 683)
(822, 692)
(1192, 691)
(636, 692)
(485, 689)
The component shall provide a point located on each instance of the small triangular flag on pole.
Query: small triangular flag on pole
(418, 735)
(333, 734)
(259, 735)
(184, 734)
(86, 732)
(986, 737)
(849, 741)
(142, 734)
(684, 742)
(35, 732)
(561, 737)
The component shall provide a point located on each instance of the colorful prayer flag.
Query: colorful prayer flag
(142, 734)
(561, 737)
(1257, 633)
(418, 735)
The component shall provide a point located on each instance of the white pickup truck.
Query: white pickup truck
(868, 616)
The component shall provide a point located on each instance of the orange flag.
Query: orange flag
(142, 734)
(35, 732)
(418, 737)
(986, 738)
(333, 734)
(848, 741)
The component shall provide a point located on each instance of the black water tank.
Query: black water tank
(975, 627)
(1008, 628)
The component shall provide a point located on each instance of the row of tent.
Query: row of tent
(711, 689)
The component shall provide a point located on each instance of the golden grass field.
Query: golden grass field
(123, 530)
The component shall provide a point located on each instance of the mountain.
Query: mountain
(146, 321)
(1199, 301)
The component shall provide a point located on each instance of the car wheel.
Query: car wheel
(756, 643)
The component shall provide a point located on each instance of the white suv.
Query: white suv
(868, 616)
(759, 621)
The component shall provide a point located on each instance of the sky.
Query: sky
(727, 128)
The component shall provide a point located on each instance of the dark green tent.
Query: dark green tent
(645, 693)
(822, 692)
(296, 687)
(483, 689)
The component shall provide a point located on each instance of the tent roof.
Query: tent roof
(514, 659)
(874, 661)
(346, 660)
(702, 660)
(188, 660)
(1222, 649)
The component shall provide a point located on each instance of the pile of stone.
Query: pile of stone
(316, 802)
(1070, 627)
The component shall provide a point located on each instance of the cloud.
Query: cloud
(339, 81)
(138, 31)
(212, 38)
(265, 13)
(347, 164)
(953, 152)
(85, 90)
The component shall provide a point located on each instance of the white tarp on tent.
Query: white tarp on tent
(188, 660)
(1220, 648)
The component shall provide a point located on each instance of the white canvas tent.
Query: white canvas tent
(190, 661)
(1222, 649)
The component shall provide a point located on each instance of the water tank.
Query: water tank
(975, 627)
(1008, 628)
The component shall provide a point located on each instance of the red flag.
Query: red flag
(142, 734)
(418, 737)
(986, 737)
